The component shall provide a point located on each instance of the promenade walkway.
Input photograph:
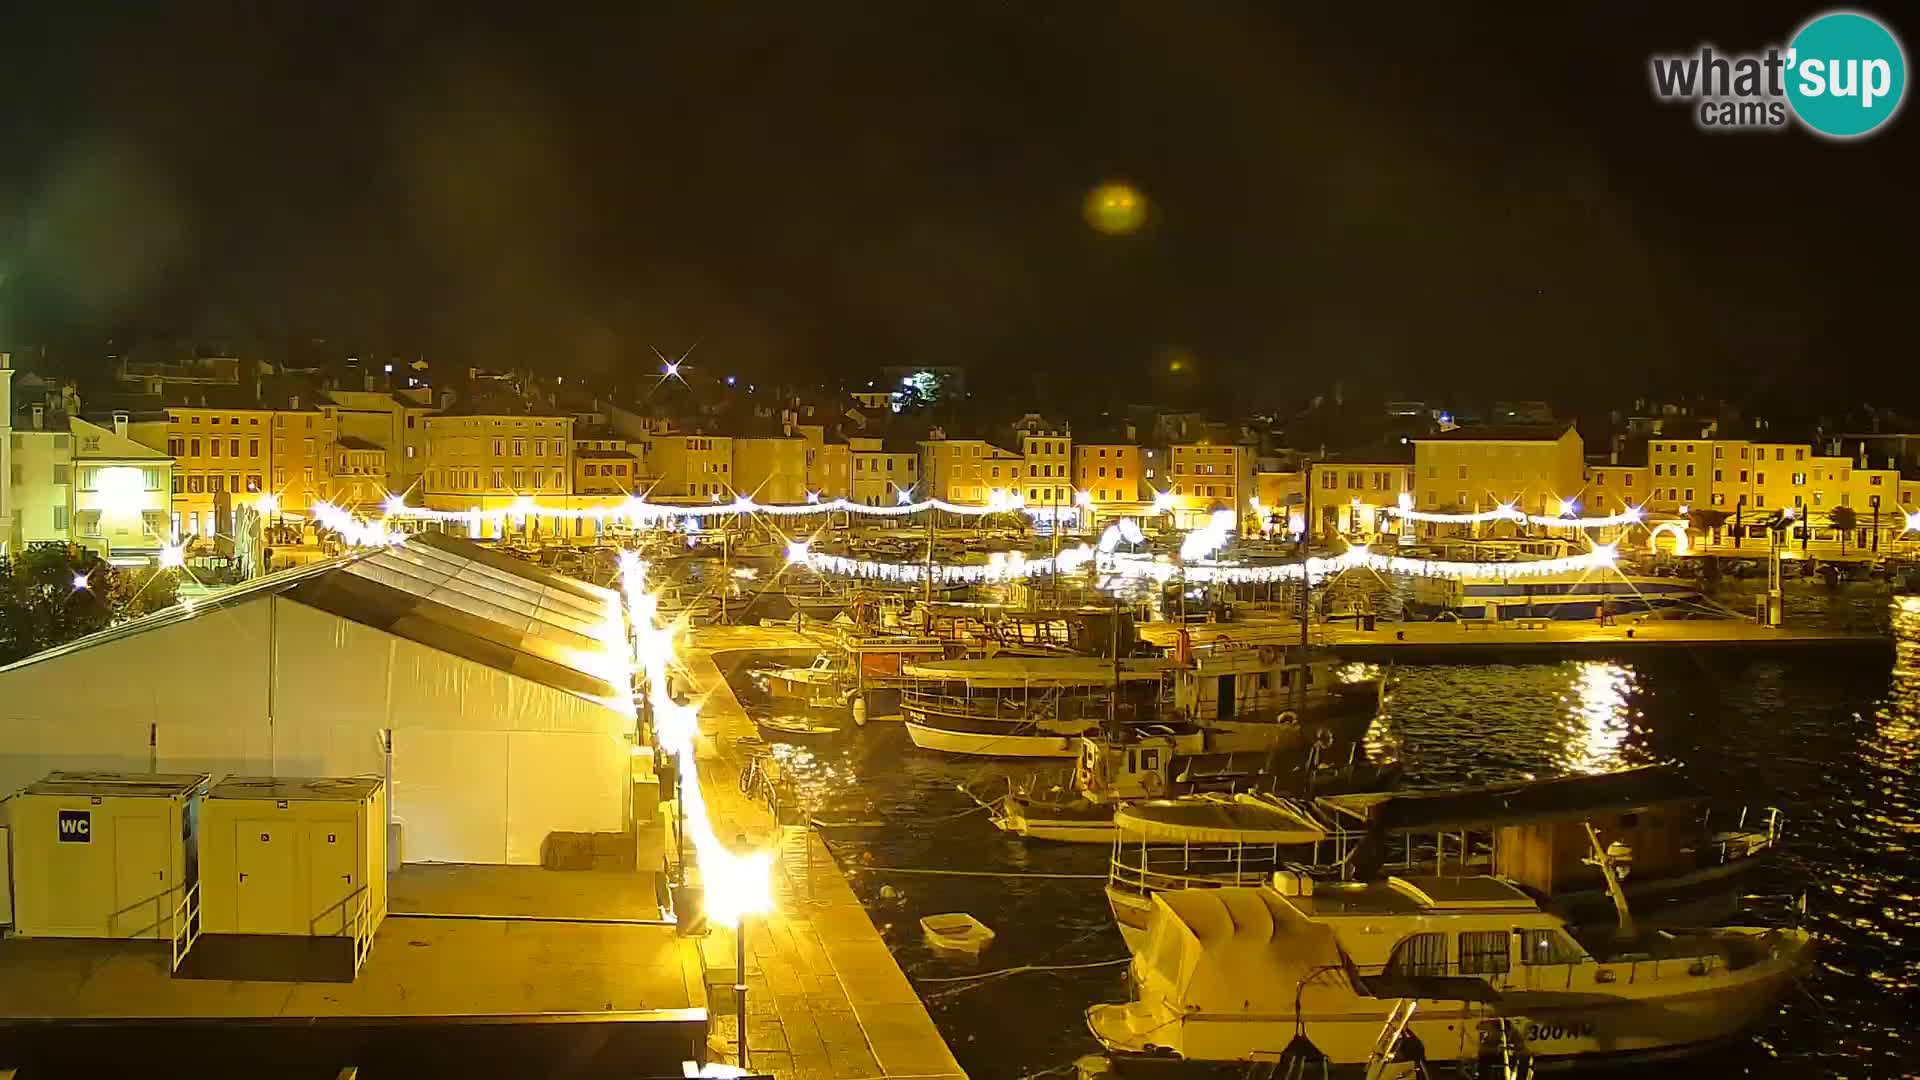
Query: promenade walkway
(826, 1001)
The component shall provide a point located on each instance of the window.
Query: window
(253, 483)
(1691, 448)
(213, 447)
(1716, 476)
(60, 474)
(1420, 954)
(1627, 480)
(1719, 452)
(1718, 499)
(1689, 470)
(1656, 469)
(1484, 952)
(1779, 453)
(1873, 481)
(1799, 479)
(179, 484)
(1743, 476)
(519, 479)
(1799, 453)
(1760, 478)
(195, 485)
(60, 519)
(253, 447)
(233, 447)
(499, 477)
(559, 483)
(1120, 473)
(592, 470)
(216, 483)
(1463, 472)
(540, 448)
(1548, 947)
(519, 447)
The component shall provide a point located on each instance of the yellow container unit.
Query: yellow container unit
(103, 854)
(294, 856)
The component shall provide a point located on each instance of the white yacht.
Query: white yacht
(1233, 974)
(1575, 594)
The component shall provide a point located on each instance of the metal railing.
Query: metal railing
(186, 925)
(362, 922)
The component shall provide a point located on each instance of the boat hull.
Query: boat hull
(1583, 1020)
(1083, 823)
(1026, 744)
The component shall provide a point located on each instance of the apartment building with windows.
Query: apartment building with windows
(1204, 478)
(771, 468)
(475, 459)
(1109, 474)
(122, 493)
(956, 470)
(884, 471)
(1472, 469)
(228, 456)
(692, 467)
(394, 421)
(1048, 455)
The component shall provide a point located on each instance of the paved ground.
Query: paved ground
(527, 891)
(418, 967)
(825, 999)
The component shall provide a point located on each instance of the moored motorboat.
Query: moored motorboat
(1686, 868)
(1231, 974)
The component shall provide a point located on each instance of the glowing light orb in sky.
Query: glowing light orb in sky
(1116, 209)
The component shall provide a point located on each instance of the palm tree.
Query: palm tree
(1843, 519)
(1708, 522)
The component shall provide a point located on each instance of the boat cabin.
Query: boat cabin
(1532, 833)
(1057, 693)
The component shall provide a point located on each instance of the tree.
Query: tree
(51, 594)
(1708, 521)
(1843, 519)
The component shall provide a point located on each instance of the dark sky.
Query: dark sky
(1419, 199)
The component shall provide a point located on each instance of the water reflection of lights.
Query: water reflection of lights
(1600, 718)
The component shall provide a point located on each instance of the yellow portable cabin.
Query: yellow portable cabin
(299, 856)
(103, 854)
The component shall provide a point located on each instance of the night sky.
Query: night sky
(1446, 201)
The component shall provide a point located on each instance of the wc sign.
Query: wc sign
(76, 826)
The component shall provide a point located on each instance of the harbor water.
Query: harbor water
(1834, 743)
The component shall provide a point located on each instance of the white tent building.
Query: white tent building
(502, 691)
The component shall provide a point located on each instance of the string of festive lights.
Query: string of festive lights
(999, 567)
(353, 531)
(1632, 515)
(639, 512)
(736, 883)
(1014, 567)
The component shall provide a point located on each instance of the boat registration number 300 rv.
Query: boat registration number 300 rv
(1573, 1029)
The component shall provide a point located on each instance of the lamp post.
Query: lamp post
(740, 973)
(1874, 502)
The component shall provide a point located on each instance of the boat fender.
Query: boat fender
(860, 710)
(1287, 716)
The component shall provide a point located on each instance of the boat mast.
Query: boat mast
(1605, 859)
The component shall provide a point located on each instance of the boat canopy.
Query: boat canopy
(1239, 951)
(1241, 820)
(1019, 671)
(1575, 797)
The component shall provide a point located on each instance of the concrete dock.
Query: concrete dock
(826, 1001)
(1468, 641)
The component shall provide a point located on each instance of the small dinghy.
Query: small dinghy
(789, 728)
(956, 934)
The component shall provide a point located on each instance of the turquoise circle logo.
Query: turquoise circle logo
(1845, 74)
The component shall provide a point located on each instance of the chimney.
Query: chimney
(293, 403)
(39, 417)
(120, 421)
